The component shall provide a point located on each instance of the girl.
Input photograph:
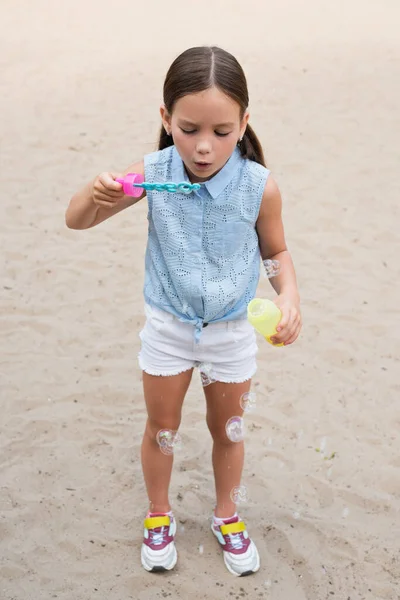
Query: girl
(201, 270)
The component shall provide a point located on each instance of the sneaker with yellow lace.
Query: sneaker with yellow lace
(240, 553)
(158, 549)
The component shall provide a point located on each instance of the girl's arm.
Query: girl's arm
(100, 199)
(273, 246)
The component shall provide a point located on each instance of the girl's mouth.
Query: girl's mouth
(202, 165)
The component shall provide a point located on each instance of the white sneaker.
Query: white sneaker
(158, 548)
(240, 553)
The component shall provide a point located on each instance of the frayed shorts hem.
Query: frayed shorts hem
(150, 371)
(236, 380)
(216, 377)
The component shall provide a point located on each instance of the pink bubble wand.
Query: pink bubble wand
(133, 184)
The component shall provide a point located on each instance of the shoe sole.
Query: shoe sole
(246, 573)
(160, 568)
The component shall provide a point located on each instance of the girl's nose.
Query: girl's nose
(203, 147)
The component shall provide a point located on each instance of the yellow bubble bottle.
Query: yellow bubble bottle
(264, 315)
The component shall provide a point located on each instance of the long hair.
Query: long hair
(200, 68)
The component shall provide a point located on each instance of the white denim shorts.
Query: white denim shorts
(168, 347)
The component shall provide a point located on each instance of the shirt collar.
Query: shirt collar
(216, 184)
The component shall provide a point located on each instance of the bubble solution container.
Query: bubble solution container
(264, 315)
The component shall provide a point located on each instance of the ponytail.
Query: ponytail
(165, 140)
(250, 147)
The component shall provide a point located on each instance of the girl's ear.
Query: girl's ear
(244, 122)
(166, 119)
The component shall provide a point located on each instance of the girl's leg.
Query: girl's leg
(164, 398)
(223, 402)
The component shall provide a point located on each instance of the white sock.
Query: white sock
(219, 521)
(169, 514)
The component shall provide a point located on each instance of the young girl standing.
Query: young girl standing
(201, 271)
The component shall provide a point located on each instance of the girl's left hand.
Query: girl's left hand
(289, 327)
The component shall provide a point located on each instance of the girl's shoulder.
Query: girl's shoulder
(253, 177)
(255, 168)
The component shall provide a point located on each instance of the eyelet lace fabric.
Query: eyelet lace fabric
(202, 258)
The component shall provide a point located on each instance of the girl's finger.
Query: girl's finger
(101, 189)
(284, 321)
(280, 337)
(293, 337)
(287, 332)
(294, 328)
(108, 181)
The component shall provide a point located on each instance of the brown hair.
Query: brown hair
(203, 67)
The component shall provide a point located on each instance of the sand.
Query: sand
(80, 88)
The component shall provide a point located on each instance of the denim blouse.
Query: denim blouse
(202, 257)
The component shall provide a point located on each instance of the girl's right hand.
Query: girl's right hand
(106, 191)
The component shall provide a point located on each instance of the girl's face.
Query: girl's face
(205, 128)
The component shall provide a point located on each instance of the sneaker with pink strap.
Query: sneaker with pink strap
(158, 548)
(240, 553)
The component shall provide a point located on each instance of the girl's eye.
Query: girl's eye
(190, 131)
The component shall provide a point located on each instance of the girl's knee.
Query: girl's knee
(218, 434)
(225, 433)
(222, 441)
(154, 425)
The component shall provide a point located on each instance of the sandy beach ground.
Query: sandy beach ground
(80, 88)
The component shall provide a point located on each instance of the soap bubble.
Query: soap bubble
(322, 445)
(239, 494)
(201, 548)
(235, 429)
(206, 379)
(345, 513)
(206, 374)
(248, 401)
(169, 440)
(272, 267)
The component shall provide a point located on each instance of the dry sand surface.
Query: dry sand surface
(79, 93)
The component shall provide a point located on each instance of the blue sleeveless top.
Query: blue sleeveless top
(202, 256)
